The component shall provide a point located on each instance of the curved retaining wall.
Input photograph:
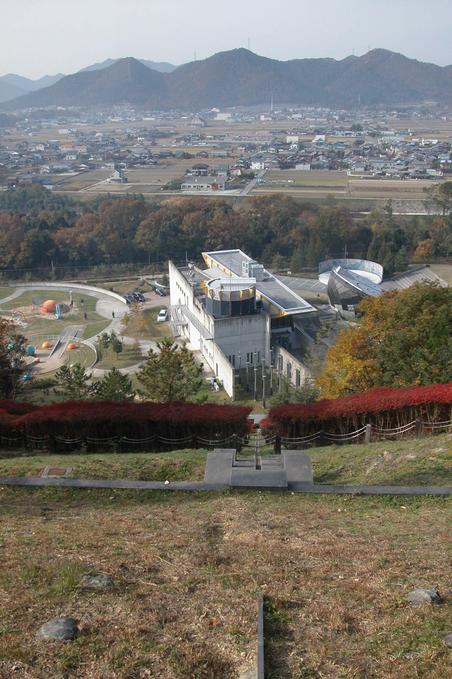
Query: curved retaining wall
(87, 289)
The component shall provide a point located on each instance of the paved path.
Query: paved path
(13, 295)
(202, 486)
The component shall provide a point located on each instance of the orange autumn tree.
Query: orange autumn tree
(404, 338)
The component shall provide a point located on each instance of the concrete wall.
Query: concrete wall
(75, 287)
(240, 336)
(292, 368)
(181, 294)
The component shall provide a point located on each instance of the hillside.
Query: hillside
(161, 66)
(12, 85)
(241, 78)
(127, 80)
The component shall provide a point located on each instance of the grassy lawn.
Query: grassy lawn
(423, 461)
(144, 324)
(181, 465)
(444, 271)
(5, 291)
(188, 568)
(130, 355)
(95, 327)
(37, 325)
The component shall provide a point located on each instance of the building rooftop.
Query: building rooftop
(271, 289)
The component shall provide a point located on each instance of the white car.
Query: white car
(162, 316)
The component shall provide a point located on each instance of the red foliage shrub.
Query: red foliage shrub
(16, 407)
(383, 407)
(9, 410)
(103, 419)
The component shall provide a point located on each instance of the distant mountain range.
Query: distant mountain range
(13, 86)
(241, 78)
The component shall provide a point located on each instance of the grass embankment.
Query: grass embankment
(423, 461)
(188, 568)
(417, 461)
(182, 465)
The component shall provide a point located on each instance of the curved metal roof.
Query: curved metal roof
(366, 269)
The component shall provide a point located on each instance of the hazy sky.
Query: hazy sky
(40, 37)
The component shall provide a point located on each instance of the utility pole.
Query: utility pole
(255, 383)
(264, 377)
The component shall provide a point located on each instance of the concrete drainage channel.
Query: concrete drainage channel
(258, 672)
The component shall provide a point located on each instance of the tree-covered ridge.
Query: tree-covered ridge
(43, 229)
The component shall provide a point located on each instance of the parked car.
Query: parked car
(160, 292)
(162, 316)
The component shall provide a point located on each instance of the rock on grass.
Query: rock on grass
(97, 582)
(61, 629)
(419, 597)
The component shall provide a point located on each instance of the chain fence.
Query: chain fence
(159, 443)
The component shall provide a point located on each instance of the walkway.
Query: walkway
(13, 295)
(412, 491)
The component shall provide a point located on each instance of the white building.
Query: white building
(233, 312)
(194, 183)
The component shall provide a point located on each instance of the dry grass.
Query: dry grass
(187, 571)
(414, 461)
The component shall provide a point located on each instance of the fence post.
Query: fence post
(419, 428)
(278, 444)
(368, 433)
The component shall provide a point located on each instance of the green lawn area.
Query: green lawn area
(444, 271)
(5, 291)
(422, 461)
(181, 465)
(41, 325)
(187, 571)
(130, 355)
(143, 324)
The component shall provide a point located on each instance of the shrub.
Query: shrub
(105, 419)
(384, 407)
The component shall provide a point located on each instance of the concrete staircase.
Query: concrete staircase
(225, 467)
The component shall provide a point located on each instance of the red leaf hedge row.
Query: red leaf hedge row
(103, 419)
(384, 407)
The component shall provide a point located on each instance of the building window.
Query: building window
(297, 378)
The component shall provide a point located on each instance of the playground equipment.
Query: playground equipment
(49, 306)
(46, 344)
(71, 346)
(58, 312)
(30, 350)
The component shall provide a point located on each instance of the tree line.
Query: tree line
(40, 229)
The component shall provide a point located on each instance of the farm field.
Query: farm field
(322, 183)
(82, 181)
(187, 571)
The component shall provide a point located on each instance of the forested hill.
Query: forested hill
(241, 78)
(42, 230)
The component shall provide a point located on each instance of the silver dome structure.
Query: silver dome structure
(347, 289)
(364, 268)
